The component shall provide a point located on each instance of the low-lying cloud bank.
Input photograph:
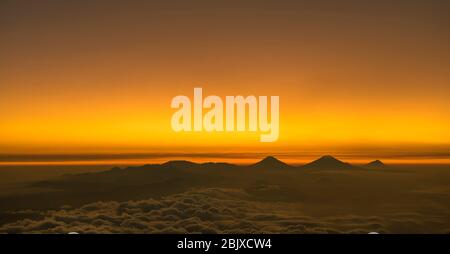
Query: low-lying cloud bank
(199, 211)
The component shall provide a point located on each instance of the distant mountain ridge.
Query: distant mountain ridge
(154, 180)
(328, 162)
(270, 162)
(376, 164)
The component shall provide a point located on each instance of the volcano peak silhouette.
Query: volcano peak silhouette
(328, 162)
(270, 162)
(376, 164)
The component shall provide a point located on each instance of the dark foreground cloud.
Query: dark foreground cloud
(199, 211)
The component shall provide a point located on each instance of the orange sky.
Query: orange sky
(78, 78)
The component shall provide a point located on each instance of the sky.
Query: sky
(98, 76)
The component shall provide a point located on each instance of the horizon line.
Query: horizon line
(232, 158)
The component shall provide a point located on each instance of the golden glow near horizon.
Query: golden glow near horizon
(345, 78)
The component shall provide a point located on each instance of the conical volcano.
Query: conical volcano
(376, 164)
(270, 162)
(328, 162)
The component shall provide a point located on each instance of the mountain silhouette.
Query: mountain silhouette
(155, 180)
(328, 162)
(187, 165)
(270, 162)
(180, 164)
(376, 164)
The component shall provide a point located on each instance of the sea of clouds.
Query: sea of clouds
(199, 211)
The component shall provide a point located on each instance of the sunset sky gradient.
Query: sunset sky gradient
(98, 76)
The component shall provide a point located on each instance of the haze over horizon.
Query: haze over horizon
(243, 158)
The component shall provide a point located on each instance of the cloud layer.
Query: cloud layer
(199, 211)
